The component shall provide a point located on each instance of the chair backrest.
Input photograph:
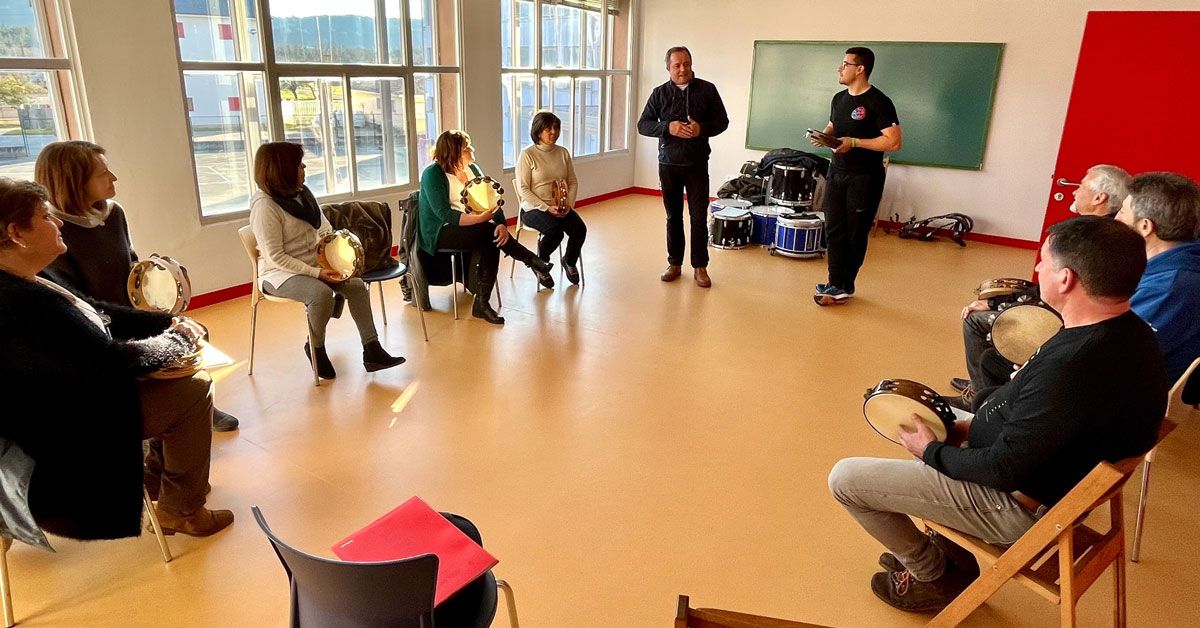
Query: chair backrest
(1177, 409)
(246, 235)
(686, 617)
(327, 592)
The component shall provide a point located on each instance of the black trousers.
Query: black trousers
(851, 202)
(553, 228)
(674, 180)
(479, 239)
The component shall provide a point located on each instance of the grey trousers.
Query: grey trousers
(882, 493)
(179, 412)
(317, 297)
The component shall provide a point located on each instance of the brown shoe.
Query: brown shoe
(702, 278)
(203, 522)
(671, 273)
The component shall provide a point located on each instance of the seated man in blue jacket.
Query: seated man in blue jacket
(1031, 441)
(1164, 208)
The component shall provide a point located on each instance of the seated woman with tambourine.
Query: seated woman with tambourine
(99, 250)
(288, 225)
(451, 220)
(547, 187)
(72, 373)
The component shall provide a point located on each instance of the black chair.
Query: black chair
(394, 594)
(420, 262)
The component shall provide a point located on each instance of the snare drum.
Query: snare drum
(731, 228)
(159, 284)
(792, 185)
(1021, 328)
(764, 222)
(799, 235)
(1003, 287)
(482, 194)
(341, 251)
(724, 203)
(889, 406)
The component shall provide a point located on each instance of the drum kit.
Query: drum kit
(779, 225)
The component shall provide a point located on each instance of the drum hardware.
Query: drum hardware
(1002, 287)
(889, 406)
(799, 235)
(791, 186)
(1019, 329)
(342, 252)
(482, 194)
(731, 228)
(159, 284)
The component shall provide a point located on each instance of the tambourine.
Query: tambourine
(889, 406)
(159, 284)
(342, 252)
(185, 366)
(1003, 287)
(482, 194)
(562, 194)
(1021, 328)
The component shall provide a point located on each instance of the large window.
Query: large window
(364, 85)
(37, 103)
(570, 57)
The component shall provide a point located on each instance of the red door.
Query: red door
(1135, 102)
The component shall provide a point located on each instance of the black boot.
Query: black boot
(324, 366)
(375, 358)
(541, 270)
(483, 309)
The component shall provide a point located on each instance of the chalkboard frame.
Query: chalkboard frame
(976, 162)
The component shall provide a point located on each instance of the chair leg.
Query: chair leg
(158, 533)
(499, 301)
(382, 304)
(416, 297)
(1136, 554)
(5, 587)
(312, 356)
(582, 276)
(1117, 517)
(454, 281)
(1066, 582)
(510, 602)
(516, 236)
(253, 322)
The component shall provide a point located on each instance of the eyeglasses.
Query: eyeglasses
(846, 63)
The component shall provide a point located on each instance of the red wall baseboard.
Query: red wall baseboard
(217, 296)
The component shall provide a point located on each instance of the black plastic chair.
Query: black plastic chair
(394, 594)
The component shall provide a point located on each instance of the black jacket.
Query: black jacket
(667, 104)
(71, 403)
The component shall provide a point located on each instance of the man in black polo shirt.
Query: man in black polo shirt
(864, 120)
(1095, 391)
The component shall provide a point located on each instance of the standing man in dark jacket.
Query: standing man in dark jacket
(683, 113)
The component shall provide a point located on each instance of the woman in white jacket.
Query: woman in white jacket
(288, 223)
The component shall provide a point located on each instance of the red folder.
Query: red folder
(413, 529)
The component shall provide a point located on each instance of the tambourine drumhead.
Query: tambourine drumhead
(1003, 286)
(482, 194)
(889, 407)
(1021, 329)
(159, 284)
(341, 251)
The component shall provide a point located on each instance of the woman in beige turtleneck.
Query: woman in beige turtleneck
(538, 168)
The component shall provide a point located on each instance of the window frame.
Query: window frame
(272, 70)
(538, 72)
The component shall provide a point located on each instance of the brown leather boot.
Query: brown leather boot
(202, 522)
(702, 278)
(671, 273)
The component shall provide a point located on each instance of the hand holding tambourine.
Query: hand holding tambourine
(340, 255)
(561, 198)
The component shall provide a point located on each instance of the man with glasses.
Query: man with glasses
(683, 113)
(865, 124)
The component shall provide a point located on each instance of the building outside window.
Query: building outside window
(37, 97)
(571, 57)
(365, 86)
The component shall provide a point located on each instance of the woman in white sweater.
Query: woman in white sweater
(538, 168)
(288, 223)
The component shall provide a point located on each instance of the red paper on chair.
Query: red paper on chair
(413, 529)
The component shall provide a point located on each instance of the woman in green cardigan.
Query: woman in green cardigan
(446, 224)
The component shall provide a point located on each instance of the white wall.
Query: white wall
(130, 79)
(1008, 196)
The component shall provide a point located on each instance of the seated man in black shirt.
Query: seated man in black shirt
(1095, 392)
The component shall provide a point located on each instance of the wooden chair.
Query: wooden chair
(521, 226)
(687, 617)
(257, 295)
(1177, 412)
(1060, 556)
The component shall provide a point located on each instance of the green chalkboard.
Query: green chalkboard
(943, 94)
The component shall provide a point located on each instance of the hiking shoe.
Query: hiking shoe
(901, 590)
(960, 384)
